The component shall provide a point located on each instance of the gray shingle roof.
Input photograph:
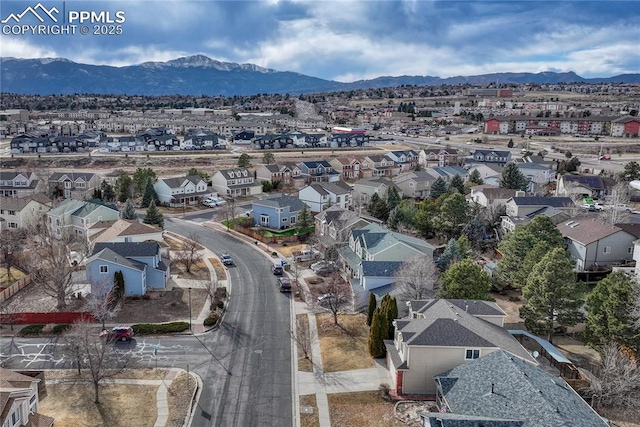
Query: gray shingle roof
(473, 307)
(380, 268)
(439, 419)
(294, 204)
(107, 254)
(129, 249)
(520, 391)
(556, 202)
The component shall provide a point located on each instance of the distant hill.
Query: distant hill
(200, 75)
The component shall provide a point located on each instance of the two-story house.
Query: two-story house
(20, 400)
(236, 182)
(405, 160)
(141, 265)
(180, 191)
(363, 189)
(415, 184)
(592, 186)
(491, 173)
(492, 156)
(382, 166)
(435, 157)
(448, 172)
(487, 195)
(124, 230)
(75, 217)
(273, 173)
(73, 185)
(348, 167)
(18, 184)
(538, 175)
(23, 212)
(319, 196)
(441, 334)
(277, 212)
(318, 171)
(334, 225)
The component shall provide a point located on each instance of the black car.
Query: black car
(285, 284)
(277, 269)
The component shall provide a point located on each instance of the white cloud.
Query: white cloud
(20, 48)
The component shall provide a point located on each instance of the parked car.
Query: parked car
(119, 333)
(329, 298)
(277, 269)
(209, 203)
(226, 259)
(323, 268)
(284, 283)
(605, 157)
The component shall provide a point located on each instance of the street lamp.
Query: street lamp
(190, 310)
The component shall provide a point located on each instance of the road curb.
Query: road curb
(188, 419)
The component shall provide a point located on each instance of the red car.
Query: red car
(119, 333)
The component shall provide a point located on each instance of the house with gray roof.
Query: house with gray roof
(318, 171)
(592, 241)
(415, 184)
(21, 212)
(18, 184)
(487, 195)
(181, 191)
(273, 173)
(501, 389)
(334, 224)
(20, 395)
(77, 216)
(277, 212)
(593, 186)
(442, 334)
(363, 189)
(141, 264)
(492, 156)
(236, 182)
(520, 206)
(318, 196)
(73, 185)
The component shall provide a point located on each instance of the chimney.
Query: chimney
(466, 308)
(520, 193)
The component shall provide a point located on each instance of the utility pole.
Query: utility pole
(190, 329)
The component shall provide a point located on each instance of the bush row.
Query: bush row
(163, 328)
(212, 320)
(31, 330)
(58, 329)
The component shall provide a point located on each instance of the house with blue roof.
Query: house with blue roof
(502, 390)
(277, 212)
(141, 264)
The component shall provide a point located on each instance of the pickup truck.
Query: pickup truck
(305, 255)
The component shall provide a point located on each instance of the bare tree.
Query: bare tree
(98, 361)
(102, 303)
(229, 212)
(333, 295)
(190, 252)
(616, 210)
(615, 382)
(302, 336)
(416, 278)
(11, 246)
(49, 265)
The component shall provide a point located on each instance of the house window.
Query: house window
(15, 416)
(471, 354)
(67, 184)
(12, 225)
(606, 250)
(264, 219)
(104, 269)
(285, 219)
(12, 212)
(293, 220)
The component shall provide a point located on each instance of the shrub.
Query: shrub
(513, 298)
(219, 305)
(160, 328)
(274, 253)
(212, 320)
(58, 329)
(220, 293)
(31, 330)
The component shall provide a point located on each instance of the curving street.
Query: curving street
(245, 365)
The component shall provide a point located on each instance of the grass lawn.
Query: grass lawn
(120, 405)
(289, 232)
(217, 266)
(199, 271)
(304, 365)
(344, 347)
(365, 408)
(309, 420)
(5, 281)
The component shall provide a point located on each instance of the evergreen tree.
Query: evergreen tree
(118, 284)
(512, 178)
(450, 255)
(154, 216)
(393, 198)
(372, 308)
(129, 211)
(465, 280)
(304, 218)
(391, 313)
(199, 172)
(108, 194)
(475, 177)
(550, 292)
(244, 161)
(475, 231)
(140, 178)
(452, 215)
(378, 207)
(458, 184)
(124, 185)
(97, 194)
(465, 248)
(631, 172)
(609, 306)
(149, 195)
(510, 143)
(438, 188)
(395, 218)
(376, 340)
(373, 201)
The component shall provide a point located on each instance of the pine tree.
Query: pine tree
(154, 216)
(108, 194)
(118, 284)
(465, 280)
(244, 161)
(475, 177)
(512, 178)
(458, 184)
(393, 198)
(376, 340)
(129, 211)
(392, 315)
(304, 219)
(438, 188)
(372, 308)
(124, 184)
(149, 195)
(450, 255)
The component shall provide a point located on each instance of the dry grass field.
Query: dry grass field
(221, 274)
(309, 420)
(304, 364)
(366, 408)
(345, 346)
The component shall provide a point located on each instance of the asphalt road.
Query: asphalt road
(245, 365)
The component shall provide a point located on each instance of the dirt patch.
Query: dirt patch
(304, 364)
(344, 346)
(309, 419)
(221, 274)
(580, 354)
(162, 307)
(365, 408)
(288, 250)
(132, 374)
(123, 405)
(625, 417)
(510, 303)
(198, 271)
(179, 399)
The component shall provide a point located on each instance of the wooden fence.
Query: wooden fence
(44, 318)
(254, 234)
(7, 293)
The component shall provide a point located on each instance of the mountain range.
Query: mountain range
(200, 75)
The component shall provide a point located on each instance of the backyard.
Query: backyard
(344, 346)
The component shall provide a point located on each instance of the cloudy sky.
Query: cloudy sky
(347, 40)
